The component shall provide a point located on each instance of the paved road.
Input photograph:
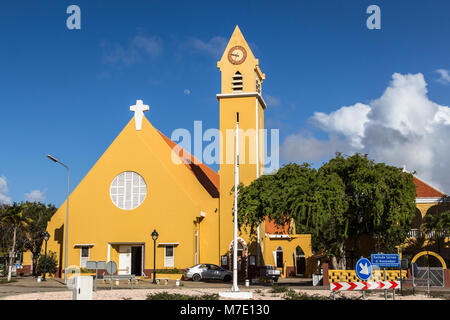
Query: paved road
(30, 285)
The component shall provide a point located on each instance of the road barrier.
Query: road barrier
(364, 285)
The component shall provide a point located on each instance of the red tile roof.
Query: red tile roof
(207, 177)
(424, 190)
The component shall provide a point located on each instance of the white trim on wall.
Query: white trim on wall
(243, 95)
(432, 200)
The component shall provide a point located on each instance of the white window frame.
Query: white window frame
(167, 262)
(81, 255)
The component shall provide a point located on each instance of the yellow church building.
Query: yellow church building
(137, 187)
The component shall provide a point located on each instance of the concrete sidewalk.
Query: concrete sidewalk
(25, 285)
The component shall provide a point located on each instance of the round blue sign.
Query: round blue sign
(363, 269)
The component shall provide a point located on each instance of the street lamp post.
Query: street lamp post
(46, 236)
(154, 237)
(67, 217)
(235, 287)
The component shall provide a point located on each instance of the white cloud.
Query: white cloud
(152, 46)
(444, 76)
(402, 127)
(346, 121)
(137, 50)
(4, 198)
(272, 101)
(35, 196)
(214, 46)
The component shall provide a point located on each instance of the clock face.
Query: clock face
(237, 55)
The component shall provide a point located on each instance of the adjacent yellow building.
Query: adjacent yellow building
(144, 182)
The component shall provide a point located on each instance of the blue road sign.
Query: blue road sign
(385, 260)
(363, 269)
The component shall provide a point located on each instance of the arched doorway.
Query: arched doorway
(300, 261)
(279, 257)
(428, 254)
(242, 258)
(428, 269)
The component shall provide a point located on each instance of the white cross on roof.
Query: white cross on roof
(138, 109)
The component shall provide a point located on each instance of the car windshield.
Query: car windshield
(214, 267)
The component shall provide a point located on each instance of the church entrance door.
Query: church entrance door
(125, 260)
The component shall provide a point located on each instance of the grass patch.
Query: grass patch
(279, 289)
(292, 295)
(3, 281)
(439, 295)
(176, 296)
(405, 292)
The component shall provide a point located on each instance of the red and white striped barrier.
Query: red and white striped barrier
(376, 285)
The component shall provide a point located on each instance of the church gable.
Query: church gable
(147, 154)
(424, 190)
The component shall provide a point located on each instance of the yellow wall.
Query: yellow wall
(174, 200)
(289, 246)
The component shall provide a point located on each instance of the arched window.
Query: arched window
(299, 252)
(300, 261)
(237, 83)
(240, 249)
(279, 257)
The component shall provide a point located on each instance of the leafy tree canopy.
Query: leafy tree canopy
(346, 197)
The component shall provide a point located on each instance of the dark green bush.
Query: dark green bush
(279, 289)
(292, 295)
(50, 265)
(169, 271)
(176, 296)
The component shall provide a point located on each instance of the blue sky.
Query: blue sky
(67, 92)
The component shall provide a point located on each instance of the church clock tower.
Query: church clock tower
(241, 93)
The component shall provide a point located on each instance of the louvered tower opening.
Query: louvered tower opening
(237, 84)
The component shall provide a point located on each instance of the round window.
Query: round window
(128, 190)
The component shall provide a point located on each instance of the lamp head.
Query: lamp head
(52, 158)
(154, 235)
(46, 235)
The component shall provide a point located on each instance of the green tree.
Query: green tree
(437, 225)
(381, 199)
(14, 219)
(315, 201)
(39, 215)
(346, 198)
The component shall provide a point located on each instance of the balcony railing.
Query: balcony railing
(416, 233)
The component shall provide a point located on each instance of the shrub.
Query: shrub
(279, 289)
(292, 295)
(50, 265)
(176, 296)
(169, 271)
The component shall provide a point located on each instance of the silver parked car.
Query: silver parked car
(207, 271)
